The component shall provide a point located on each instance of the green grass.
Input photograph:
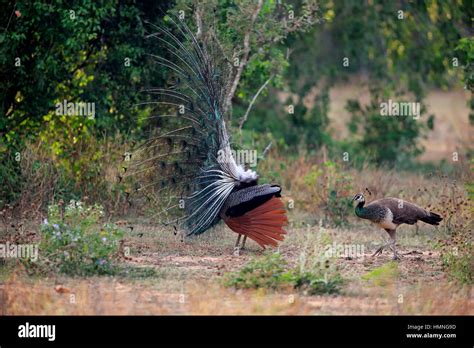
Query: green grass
(383, 275)
(271, 271)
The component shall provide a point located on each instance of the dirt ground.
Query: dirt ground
(188, 279)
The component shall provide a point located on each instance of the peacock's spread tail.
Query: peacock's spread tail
(186, 168)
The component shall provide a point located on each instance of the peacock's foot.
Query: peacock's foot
(378, 251)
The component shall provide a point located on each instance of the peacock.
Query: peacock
(389, 213)
(186, 167)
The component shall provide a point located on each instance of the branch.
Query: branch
(298, 24)
(244, 118)
(266, 150)
(244, 59)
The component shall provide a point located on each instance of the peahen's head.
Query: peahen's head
(359, 197)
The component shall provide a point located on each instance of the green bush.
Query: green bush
(74, 242)
(265, 272)
(271, 271)
(384, 140)
(316, 284)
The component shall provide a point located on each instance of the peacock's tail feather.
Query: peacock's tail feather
(185, 168)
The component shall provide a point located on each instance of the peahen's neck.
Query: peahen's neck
(361, 211)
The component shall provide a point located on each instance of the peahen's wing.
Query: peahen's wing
(185, 168)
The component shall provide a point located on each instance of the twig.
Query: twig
(244, 118)
(266, 149)
(9, 20)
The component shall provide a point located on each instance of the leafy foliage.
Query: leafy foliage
(74, 52)
(401, 48)
(73, 241)
(267, 272)
(384, 140)
(271, 271)
(466, 50)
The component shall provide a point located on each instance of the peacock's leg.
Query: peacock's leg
(237, 247)
(238, 241)
(243, 242)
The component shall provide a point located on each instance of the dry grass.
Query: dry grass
(189, 273)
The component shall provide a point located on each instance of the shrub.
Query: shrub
(456, 206)
(74, 242)
(265, 272)
(316, 271)
(385, 140)
(459, 263)
(315, 284)
(271, 271)
(330, 187)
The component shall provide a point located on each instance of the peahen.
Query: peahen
(187, 166)
(389, 213)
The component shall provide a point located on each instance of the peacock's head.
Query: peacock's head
(359, 197)
(247, 176)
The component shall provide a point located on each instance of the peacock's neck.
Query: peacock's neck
(361, 211)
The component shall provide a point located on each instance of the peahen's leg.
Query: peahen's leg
(380, 250)
(392, 244)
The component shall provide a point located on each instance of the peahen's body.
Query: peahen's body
(187, 166)
(389, 213)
